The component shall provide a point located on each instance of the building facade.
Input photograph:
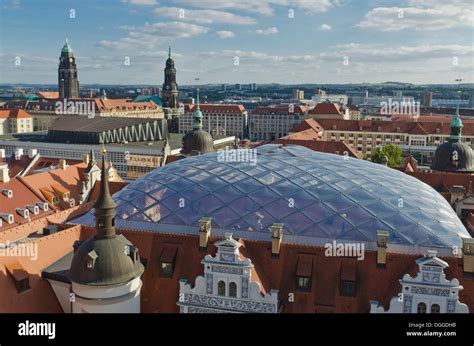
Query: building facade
(273, 122)
(428, 292)
(420, 137)
(218, 119)
(15, 121)
(227, 285)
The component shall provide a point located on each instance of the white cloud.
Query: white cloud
(325, 27)
(141, 2)
(151, 35)
(366, 53)
(426, 15)
(264, 7)
(269, 31)
(203, 16)
(225, 34)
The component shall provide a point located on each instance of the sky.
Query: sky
(240, 41)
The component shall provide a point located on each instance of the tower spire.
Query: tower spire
(104, 206)
(456, 123)
(197, 114)
(169, 51)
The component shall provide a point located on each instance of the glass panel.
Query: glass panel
(157, 212)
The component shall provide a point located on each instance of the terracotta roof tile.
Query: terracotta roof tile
(14, 113)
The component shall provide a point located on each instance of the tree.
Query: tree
(391, 151)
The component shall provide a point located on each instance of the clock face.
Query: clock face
(167, 87)
(70, 59)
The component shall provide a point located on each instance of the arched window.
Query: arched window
(435, 309)
(221, 288)
(421, 308)
(233, 290)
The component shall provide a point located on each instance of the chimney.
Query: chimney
(32, 153)
(457, 192)
(62, 164)
(18, 153)
(4, 173)
(204, 231)
(382, 237)
(85, 159)
(277, 236)
(468, 255)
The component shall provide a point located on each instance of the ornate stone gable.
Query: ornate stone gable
(227, 285)
(428, 292)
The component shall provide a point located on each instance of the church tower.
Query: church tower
(106, 269)
(170, 88)
(67, 74)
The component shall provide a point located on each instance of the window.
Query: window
(167, 260)
(233, 290)
(22, 285)
(421, 309)
(435, 309)
(348, 288)
(221, 288)
(304, 283)
(166, 269)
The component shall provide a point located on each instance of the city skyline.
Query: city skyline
(240, 41)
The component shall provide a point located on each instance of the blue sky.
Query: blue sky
(325, 41)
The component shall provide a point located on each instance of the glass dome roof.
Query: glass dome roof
(315, 195)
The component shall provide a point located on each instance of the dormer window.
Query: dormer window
(167, 260)
(304, 273)
(348, 277)
(90, 260)
(304, 283)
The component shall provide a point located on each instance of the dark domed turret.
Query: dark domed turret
(454, 155)
(170, 87)
(106, 258)
(197, 140)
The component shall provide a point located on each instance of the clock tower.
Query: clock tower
(170, 88)
(67, 74)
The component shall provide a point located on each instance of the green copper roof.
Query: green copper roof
(456, 126)
(67, 48)
(456, 122)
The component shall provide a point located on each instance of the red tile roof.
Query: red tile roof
(123, 104)
(431, 127)
(160, 294)
(281, 109)
(14, 113)
(326, 108)
(215, 108)
(308, 124)
(48, 95)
